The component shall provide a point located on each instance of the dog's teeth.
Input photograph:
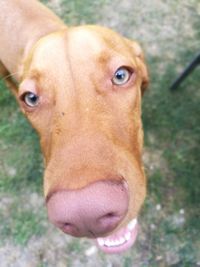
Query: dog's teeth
(108, 243)
(101, 242)
(132, 224)
(114, 243)
(128, 236)
(122, 240)
(118, 242)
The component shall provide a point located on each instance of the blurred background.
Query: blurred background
(169, 32)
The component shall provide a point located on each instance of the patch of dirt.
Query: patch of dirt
(5, 203)
(56, 6)
(47, 250)
(154, 24)
(153, 160)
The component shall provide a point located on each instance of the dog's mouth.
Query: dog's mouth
(121, 240)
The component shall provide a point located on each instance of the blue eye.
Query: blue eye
(30, 99)
(121, 76)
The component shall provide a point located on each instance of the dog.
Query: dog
(80, 88)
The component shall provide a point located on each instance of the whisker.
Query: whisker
(10, 75)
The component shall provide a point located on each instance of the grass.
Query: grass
(19, 146)
(170, 225)
(22, 226)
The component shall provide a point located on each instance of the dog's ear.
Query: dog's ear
(137, 51)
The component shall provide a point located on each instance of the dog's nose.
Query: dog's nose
(92, 211)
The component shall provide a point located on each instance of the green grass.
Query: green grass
(22, 226)
(78, 12)
(169, 236)
(19, 146)
(172, 118)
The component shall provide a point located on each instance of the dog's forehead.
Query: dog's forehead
(81, 38)
(87, 37)
(79, 42)
(82, 46)
(94, 40)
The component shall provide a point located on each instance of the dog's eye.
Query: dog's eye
(121, 76)
(30, 99)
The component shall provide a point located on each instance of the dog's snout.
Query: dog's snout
(91, 211)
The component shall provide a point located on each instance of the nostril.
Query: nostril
(68, 228)
(67, 225)
(109, 216)
(109, 220)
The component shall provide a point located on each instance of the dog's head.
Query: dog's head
(81, 90)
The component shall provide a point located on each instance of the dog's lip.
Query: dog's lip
(120, 241)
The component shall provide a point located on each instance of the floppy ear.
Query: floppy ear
(137, 51)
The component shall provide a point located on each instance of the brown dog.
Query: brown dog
(80, 87)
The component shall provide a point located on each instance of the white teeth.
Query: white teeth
(110, 243)
(114, 243)
(123, 239)
(132, 224)
(128, 236)
(101, 242)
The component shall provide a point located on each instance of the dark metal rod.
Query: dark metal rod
(186, 72)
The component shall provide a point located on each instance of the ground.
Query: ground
(169, 234)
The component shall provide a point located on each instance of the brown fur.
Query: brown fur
(89, 129)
